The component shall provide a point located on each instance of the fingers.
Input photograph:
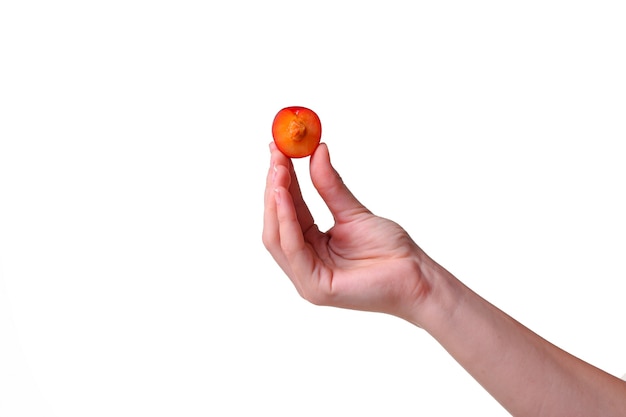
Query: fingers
(282, 165)
(271, 238)
(286, 217)
(341, 202)
(298, 255)
(305, 218)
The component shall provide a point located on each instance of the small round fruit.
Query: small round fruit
(297, 131)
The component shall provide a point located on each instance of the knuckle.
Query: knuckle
(271, 242)
(314, 296)
(267, 241)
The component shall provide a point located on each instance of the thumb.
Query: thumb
(330, 186)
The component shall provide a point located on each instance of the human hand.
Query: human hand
(364, 262)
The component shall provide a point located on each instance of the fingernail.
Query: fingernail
(275, 170)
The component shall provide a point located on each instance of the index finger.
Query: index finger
(305, 218)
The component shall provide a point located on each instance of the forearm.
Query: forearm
(526, 374)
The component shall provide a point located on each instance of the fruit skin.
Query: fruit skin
(297, 131)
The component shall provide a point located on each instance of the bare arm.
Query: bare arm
(369, 263)
(528, 375)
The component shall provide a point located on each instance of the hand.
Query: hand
(363, 262)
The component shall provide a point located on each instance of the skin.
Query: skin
(369, 263)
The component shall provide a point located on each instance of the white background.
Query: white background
(133, 155)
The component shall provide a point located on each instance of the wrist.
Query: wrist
(441, 298)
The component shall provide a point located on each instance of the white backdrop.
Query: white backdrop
(133, 154)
